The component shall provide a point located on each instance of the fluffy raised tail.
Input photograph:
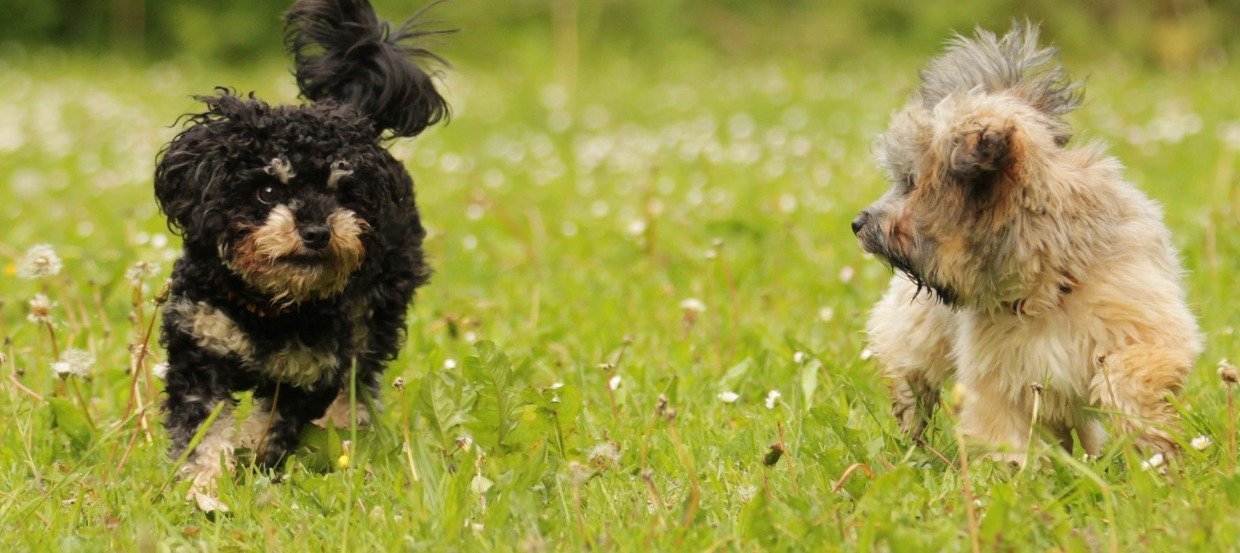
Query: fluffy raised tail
(342, 51)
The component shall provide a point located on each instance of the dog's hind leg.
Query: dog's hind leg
(1134, 383)
(911, 336)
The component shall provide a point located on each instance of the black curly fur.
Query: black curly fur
(214, 184)
(344, 52)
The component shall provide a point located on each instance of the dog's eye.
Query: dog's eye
(267, 194)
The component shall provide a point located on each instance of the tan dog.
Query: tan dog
(1029, 267)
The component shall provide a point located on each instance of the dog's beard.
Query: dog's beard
(271, 257)
(902, 263)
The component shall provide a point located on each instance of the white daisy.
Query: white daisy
(1201, 443)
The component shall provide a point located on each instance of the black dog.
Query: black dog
(302, 243)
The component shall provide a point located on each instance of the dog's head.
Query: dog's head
(287, 196)
(964, 160)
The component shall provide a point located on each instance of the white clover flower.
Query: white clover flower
(74, 362)
(160, 370)
(449, 363)
(787, 203)
(826, 314)
(636, 227)
(603, 454)
(1153, 462)
(846, 274)
(40, 310)
(613, 382)
(41, 261)
(772, 398)
(728, 397)
(693, 305)
(1201, 443)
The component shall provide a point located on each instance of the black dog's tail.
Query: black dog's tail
(343, 51)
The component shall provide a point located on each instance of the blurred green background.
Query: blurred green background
(614, 168)
(1175, 34)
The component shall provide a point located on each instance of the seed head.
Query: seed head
(1227, 372)
(604, 455)
(74, 362)
(41, 261)
(140, 271)
(774, 454)
(40, 310)
(399, 383)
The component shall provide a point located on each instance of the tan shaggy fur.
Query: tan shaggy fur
(1026, 261)
(265, 257)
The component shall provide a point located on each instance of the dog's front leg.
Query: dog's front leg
(990, 418)
(287, 412)
(196, 386)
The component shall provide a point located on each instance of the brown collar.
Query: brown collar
(256, 310)
(260, 311)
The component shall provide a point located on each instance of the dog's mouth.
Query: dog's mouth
(308, 260)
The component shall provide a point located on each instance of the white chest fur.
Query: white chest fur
(1009, 354)
(295, 363)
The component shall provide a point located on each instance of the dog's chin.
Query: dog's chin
(903, 265)
(296, 279)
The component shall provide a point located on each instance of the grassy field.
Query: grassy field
(662, 254)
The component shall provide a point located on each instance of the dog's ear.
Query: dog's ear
(192, 165)
(182, 173)
(342, 51)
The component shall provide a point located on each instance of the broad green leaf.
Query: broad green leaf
(68, 417)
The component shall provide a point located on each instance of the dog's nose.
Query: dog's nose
(315, 237)
(860, 221)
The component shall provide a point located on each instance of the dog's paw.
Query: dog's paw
(982, 148)
(912, 422)
(338, 414)
(206, 501)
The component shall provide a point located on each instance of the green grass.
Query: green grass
(568, 229)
